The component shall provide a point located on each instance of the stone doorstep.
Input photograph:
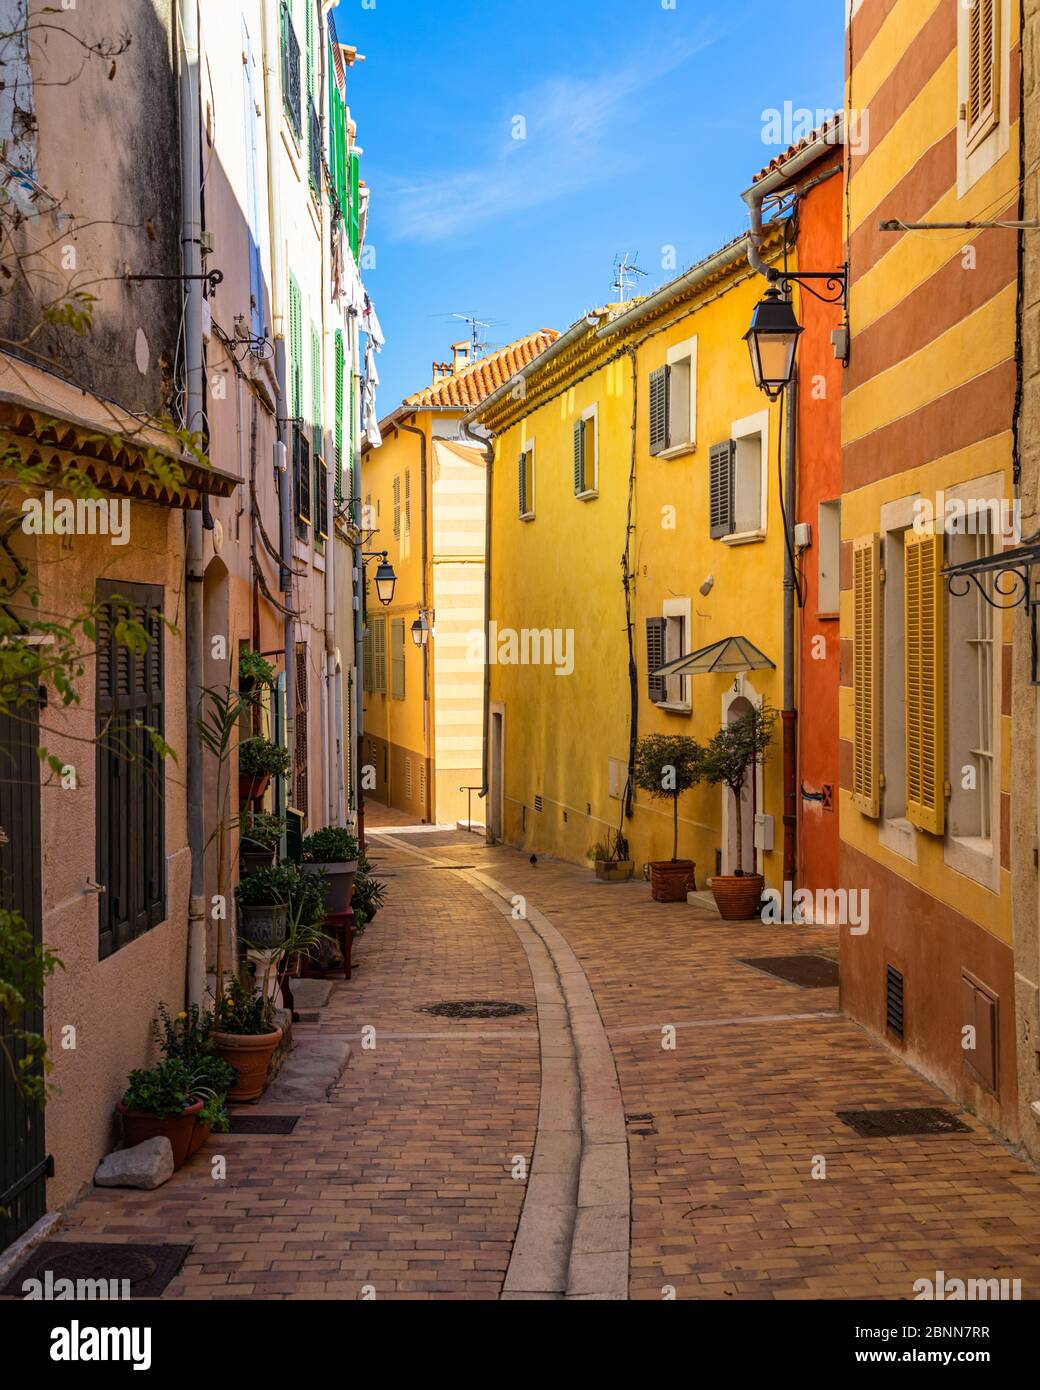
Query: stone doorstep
(309, 1073)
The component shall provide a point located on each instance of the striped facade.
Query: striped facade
(928, 421)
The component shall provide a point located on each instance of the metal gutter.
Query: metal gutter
(721, 260)
(564, 341)
(825, 142)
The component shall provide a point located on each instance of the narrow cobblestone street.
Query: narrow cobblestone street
(406, 1182)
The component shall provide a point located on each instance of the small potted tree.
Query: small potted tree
(666, 766)
(263, 899)
(260, 836)
(732, 753)
(611, 858)
(258, 761)
(334, 852)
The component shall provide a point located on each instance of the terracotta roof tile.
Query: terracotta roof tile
(831, 128)
(473, 384)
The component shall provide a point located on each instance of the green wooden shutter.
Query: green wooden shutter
(656, 685)
(340, 363)
(720, 467)
(659, 423)
(316, 384)
(295, 350)
(355, 211)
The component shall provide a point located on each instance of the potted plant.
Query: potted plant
(258, 761)
(334, 851)
(245, 1036)
(186, 1037)
(368, 894)
(666, 766)
(263, 899)
(611, 858)
(728, 758)
(171, 1099)
(259, 843)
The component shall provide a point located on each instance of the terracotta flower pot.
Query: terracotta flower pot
(738, 896)
(250, 1054)
(139, 1125)
(199, 1135)
(672, 879)
(341, 882)
(249, 788)
(614, 870)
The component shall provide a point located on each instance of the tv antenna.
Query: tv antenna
(478, 343)
(625, 266)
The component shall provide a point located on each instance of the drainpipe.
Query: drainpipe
(359, 579)
(272, 111)
(191, 261)
(411, 429)
(335, 752)
(489, 455)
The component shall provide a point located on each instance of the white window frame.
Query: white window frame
(828, 555)
(678, 354)
(681, 608)
(975, 858)
(591, 413)
(743, 429)
(527, 448)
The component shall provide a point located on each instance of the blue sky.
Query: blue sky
(643, 125)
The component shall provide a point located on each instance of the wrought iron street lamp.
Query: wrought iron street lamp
(386, 579)
(773, 336)
(421, 630)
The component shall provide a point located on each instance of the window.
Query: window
(655, 630)
(925, 761)
(291, 72)
(525, 479)
(677, 628)
(378, 626)
(397, 650)
(407, 504)
(746, 481)
(892, 685)
(340, 366)
(321, 498)
(131, 848)
(295, 350)
(866, 649)
(982, 37)
(971, 713)
(673, 401)
(251, 115)
(301, 466)
(720, 488)
(397, 507)
(367, 664)
(747, 484)
(300, 761)
(586, 454)
(828, 555)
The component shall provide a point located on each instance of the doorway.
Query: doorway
(496, 777)
(748, 806)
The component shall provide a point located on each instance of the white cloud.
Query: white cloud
(576, 133)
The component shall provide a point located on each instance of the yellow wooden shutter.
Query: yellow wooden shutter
(983, 103)
(866, 674)
(925, 679)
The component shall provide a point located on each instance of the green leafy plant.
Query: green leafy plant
(254, 670)
(248, 1008)
(368, 894)
(261, 831)
(175, 1083)
(242, 1010)
(24, 969)
(332, 845)
(666, 766)
(731, 754)
(259, 757)
(308, 897)
(184, 1037)
(269, 886)
(614, 849)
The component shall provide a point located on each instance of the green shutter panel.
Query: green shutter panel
(579, 458)
(720, 468)
(311, 66)
(656, 685)
(659, 423)
(338, 438)
(316, 383)
(295, 351)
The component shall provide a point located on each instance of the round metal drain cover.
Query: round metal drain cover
(474, 1008)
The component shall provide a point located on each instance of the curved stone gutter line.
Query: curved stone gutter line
(573, 1237)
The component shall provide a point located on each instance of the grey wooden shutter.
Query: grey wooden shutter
(656, 685)
(720, 467)
(659, 393)
(521, 473)
(579, 458)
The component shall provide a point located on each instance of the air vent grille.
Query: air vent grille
(894, 1015)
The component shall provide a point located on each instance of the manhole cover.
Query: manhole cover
(263, 1124)
(474, 1008)
(894, 1124)
(149, 1268)
(810, 972)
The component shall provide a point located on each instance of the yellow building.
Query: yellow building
(613, 550)
(928, 448)
(424, 504)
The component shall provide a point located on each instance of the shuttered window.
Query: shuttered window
(525, 482)
(866, 674)
(659, 407)
(983, 93)
(321, 498)
(397, 507)
(925, 752)
(397, 658)
(407, 503)
(340, 365)
(379, 655)
(300, 761)
(656, 685)
(367, 664)
(295, 350)
(584, 448)
(131, 850)
(721, 462)
(301, 462)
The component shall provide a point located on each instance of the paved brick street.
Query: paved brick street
(402, 1180)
